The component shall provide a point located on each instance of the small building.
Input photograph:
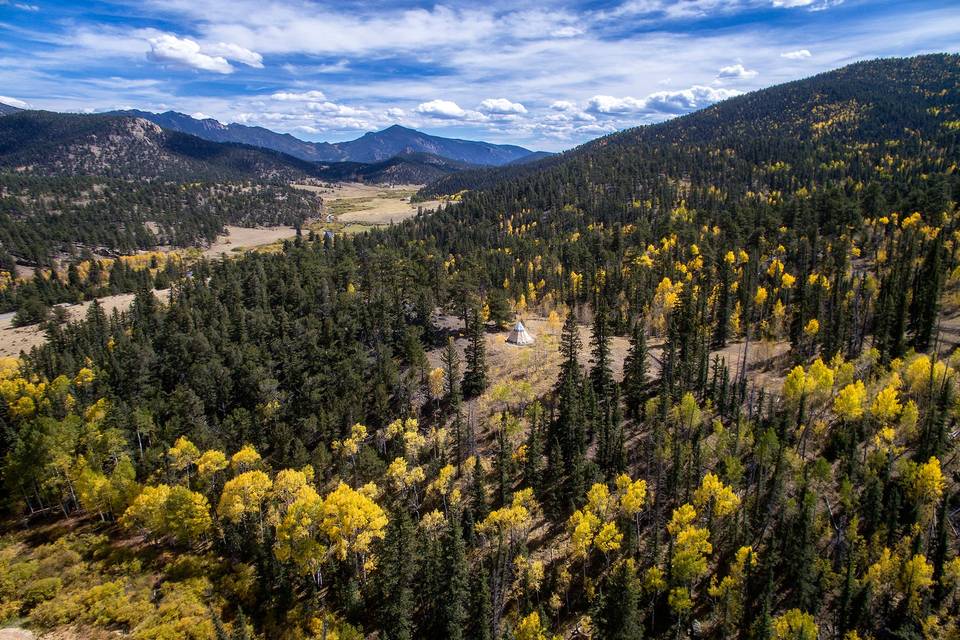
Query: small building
(519, 335)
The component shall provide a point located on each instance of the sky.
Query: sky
(545, 74)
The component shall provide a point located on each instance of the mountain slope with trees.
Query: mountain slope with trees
(6, 109)
(830, 125)
(318, 440)
(47, 143)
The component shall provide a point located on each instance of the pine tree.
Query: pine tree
(619, 615)
(925, 306)
(499, 306)
(569, 350)
(475, 376)
(457, 596)
(503, 464)
(635, 368)
(240, 629)
(600, 374)
(478, 505)
(396, 576)
(481, 606)
(220, 632)
(533, 462)
(721, 324)
(451, 364)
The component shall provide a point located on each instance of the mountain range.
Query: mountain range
(46, 143)
(372, 147)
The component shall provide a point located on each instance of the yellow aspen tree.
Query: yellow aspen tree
(729, 590)
(716, 496)
(243, 496)
(352, 522)
(689, 561)
(850, 400)
(795, 625)
(210, 464)
(886, 406)
(298, 535)
(146, 512)
(436, 383)
(632, 496)
(246, 459)
(530, 628)
(187, 515)
(183, 455)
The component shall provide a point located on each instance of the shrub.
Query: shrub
(39, 591)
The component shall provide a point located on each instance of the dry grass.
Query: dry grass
(368, 203)
(243, 238)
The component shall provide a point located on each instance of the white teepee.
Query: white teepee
(520, 335)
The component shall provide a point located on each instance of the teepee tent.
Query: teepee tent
(520, 335)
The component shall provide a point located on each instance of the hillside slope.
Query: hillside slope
(47, 143)
(210, 129)
(834, 125)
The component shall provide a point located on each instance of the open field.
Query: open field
(369, 204)
(242, 238)
(13, 340)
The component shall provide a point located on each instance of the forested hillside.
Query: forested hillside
(310, 443)
(837, 125)
(46, 143)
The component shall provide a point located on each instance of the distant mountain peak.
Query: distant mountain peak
(371, 147)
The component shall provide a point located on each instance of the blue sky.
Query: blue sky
(544, 74)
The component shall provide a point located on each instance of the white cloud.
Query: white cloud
(299, 96)
(396, 113)
(237, 53)
(812, 5)
(799, 54)
(736, 72)
(27, 7)
(685, 100)
(567, 32)
(661, 102)
(169, 49)
(501, 106)
(13, 102)
(441, 109)
(612, 105)
(337, 110)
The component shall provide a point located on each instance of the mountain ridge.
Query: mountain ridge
(371, 147)
(839, 107)
(126, 146)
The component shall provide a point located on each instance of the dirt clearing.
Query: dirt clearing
(242, 238)
(538, 365)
